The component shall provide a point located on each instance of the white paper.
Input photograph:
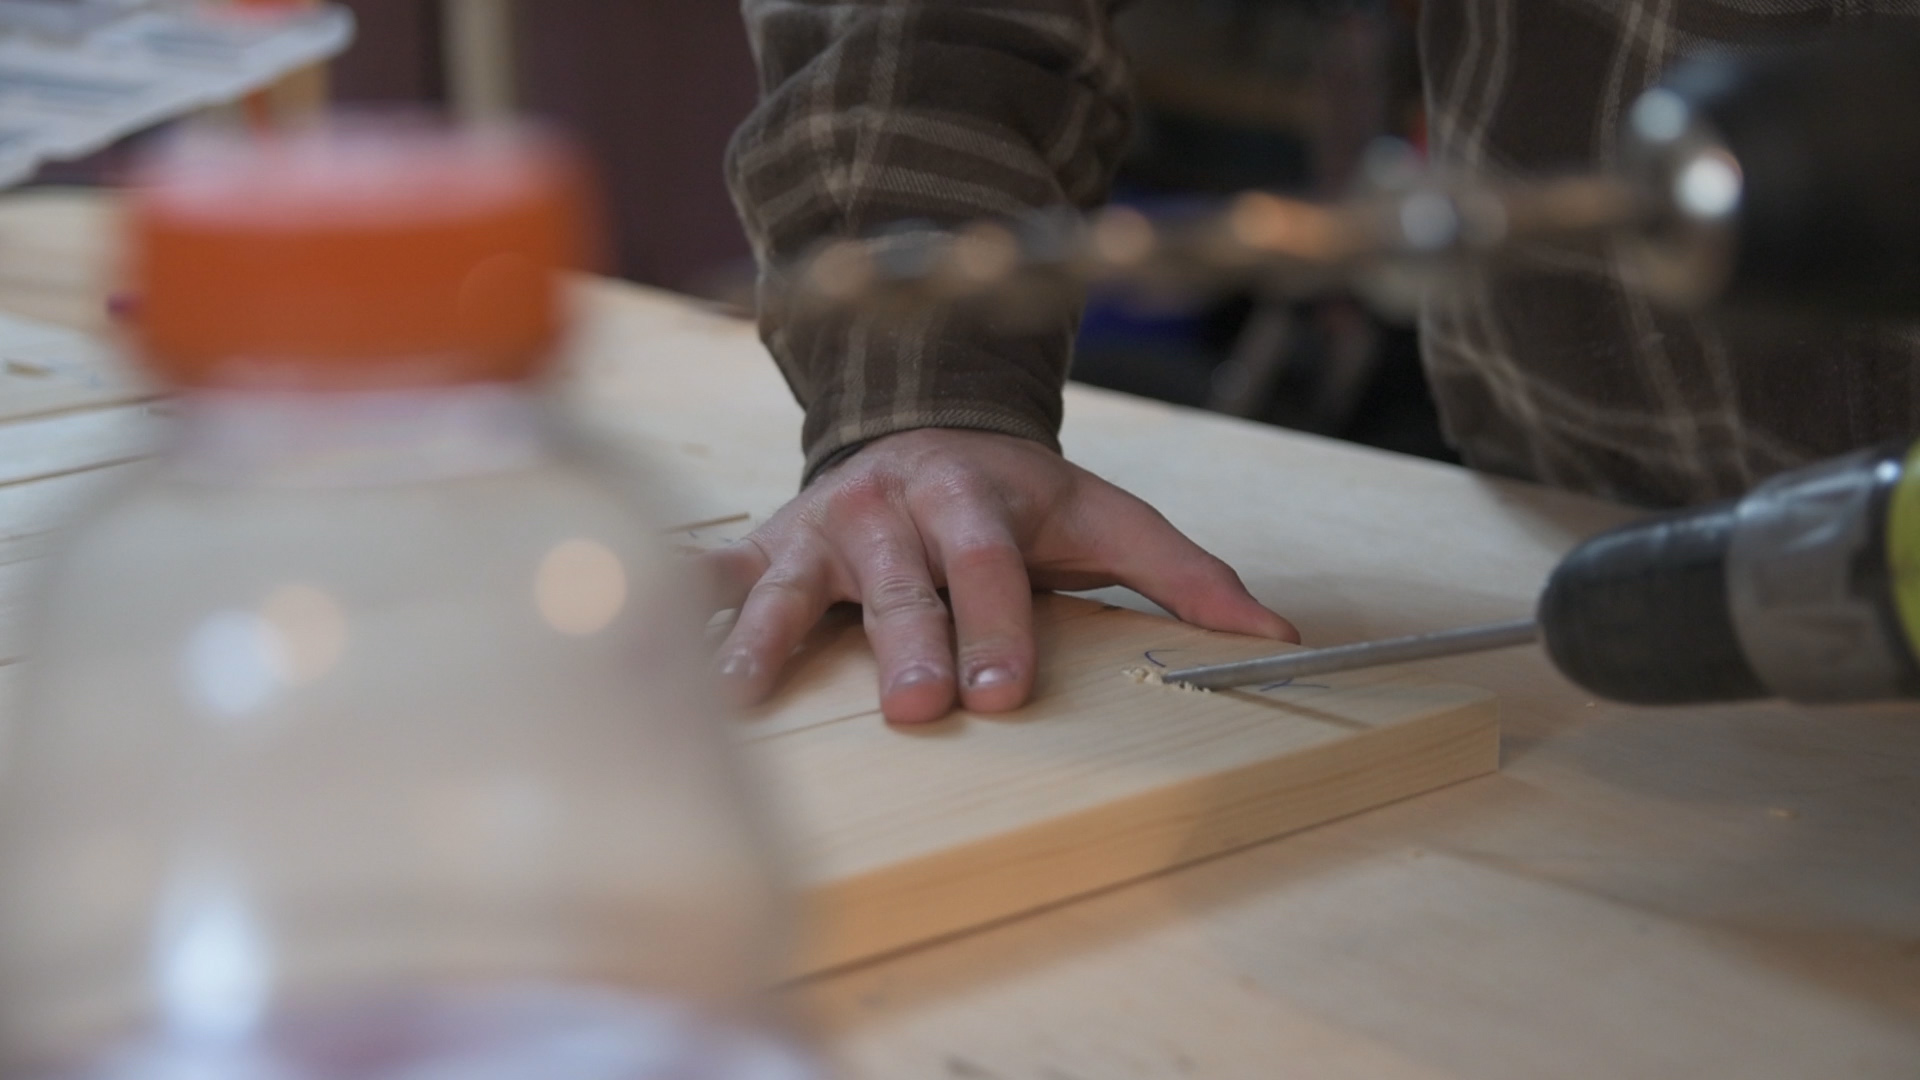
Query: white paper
(76, 75)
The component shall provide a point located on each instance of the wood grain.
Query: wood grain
(49, 369)
(902, 835)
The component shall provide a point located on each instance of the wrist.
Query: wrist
(968, 418)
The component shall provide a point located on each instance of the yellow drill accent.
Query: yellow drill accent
(1903, 546)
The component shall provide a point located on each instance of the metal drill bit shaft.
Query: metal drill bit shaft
(1403, 650)
(1280, 245)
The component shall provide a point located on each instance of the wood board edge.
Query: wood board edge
(910, 903)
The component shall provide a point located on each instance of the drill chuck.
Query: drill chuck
(1801, 589)
(1784, 177)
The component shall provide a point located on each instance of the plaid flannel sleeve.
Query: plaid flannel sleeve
(879, 113)
(1550, 367)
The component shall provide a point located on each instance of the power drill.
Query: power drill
(1806, 588)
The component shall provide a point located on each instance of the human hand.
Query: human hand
(988, 517)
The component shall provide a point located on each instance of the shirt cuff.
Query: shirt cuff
(863, 376)
(846, 441)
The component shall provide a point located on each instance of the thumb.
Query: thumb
(1148, 555)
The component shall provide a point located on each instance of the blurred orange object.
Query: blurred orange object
(357, 256)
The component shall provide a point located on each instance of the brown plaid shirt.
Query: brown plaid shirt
(940, 111)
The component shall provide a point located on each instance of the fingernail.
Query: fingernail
(737, 668)
(983, 678)
(913, 677)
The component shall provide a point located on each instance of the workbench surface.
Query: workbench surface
(1697, 892)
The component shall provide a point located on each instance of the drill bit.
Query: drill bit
(1288, 666)
(1281, 245)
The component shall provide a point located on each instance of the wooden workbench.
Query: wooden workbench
(1701, 892)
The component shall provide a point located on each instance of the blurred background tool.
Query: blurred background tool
(76, 75)
(367, 733)
(1782, 176)
(1808, 589)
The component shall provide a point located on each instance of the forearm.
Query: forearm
(936, 112)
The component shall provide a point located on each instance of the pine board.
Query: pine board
(904, 835)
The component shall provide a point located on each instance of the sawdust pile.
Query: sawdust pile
(1146, 676)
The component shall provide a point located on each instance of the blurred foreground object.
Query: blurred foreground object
(1782, 177)
(75, 75)
(368, 735)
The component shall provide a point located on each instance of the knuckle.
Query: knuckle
(854, 501)
(1216, 568)
(898, 595)
(1209, 574)
(786, 584)
(962, 484)
(864, 489)
(984, 554)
